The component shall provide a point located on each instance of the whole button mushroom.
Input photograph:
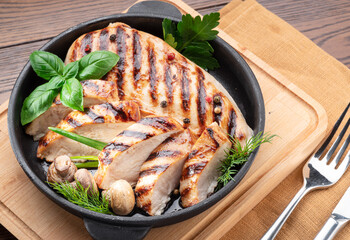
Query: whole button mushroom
(122, 197)
(61, 170)
(87, 181)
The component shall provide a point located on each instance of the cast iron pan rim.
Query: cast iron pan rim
(139, 220)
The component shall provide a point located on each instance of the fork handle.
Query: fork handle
(274, 229)
(331, 228)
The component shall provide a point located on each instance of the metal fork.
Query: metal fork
(318, 173)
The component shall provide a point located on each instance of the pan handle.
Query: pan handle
(105, 231)
(156, 7)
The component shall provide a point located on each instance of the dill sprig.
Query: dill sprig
(237, 155)
(80, 197)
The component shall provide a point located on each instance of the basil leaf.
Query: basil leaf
(38, 102)
(96, 64)
(46, 65)
(71, 70)
(72, 94)
(55, 83)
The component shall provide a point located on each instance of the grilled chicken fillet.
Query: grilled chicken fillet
(145, 73)
(95, 92)
(122, 158)
(200, 172)
(100, 122)
(161, 172)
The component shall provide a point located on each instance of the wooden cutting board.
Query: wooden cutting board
(298, 120)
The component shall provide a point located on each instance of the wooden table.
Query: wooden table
(25, 27)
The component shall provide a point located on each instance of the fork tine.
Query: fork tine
(345, 163)
(337, 141)
(329, 138)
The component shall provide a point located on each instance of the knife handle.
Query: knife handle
(331, 227)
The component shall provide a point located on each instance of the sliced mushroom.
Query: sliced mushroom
(61, 170)
(85, 178)
(122, 197)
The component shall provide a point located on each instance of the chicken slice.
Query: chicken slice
(100, 122)
(200, 172)
(95, 92)
(161, 172)
(123, 157)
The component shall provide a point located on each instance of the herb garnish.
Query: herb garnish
(91, 161)
(64, 80)
(238, 155)
(87, 164)
(80, 197)
(190, 37)
(76, 137)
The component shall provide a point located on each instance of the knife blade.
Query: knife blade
(339, 217)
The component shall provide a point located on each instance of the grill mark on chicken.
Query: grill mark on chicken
(104, 39)
(185, 191)
(84, 43)
(158, 122)
(193, 169)
(152, 72)
(90, 85)
(137, 58)
(106, 159)
(192, 153)
(95, 117)
(211, 135)
(217, 116)
(117, 111)
(73, 122)
(168, 82)
(136, 134)
(44, 142)
(105, 77)
(231, 129)
(169, 139)
(57, 101)
(154, 170)
(121, 51)
(144, 190)
(185, 92)
(116, 146)
(201, 103)
(146, 207)
(73, 57)
(163, 153)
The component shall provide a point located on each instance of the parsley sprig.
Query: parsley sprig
(238, 155)
(80, 197)
(190, 37)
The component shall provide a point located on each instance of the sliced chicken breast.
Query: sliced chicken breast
(200, 172)
(161, 172)
(163, 86)
(100, 122)
(95, 92)
(123, 157)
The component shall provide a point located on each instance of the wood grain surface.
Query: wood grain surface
(27, 25)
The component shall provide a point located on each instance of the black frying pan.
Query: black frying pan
(234, 74)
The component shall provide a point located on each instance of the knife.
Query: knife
(339, 217)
